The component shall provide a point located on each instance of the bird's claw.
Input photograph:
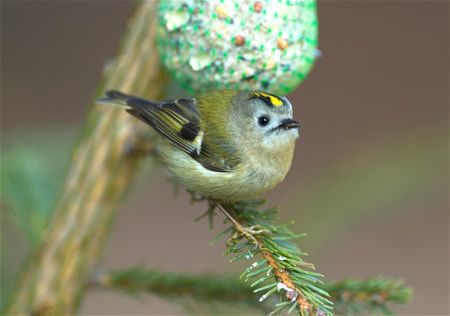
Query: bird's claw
(248, 232)
(257, 230)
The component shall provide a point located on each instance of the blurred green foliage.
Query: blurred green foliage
(374, 295)
(210, 293)
(31, 173)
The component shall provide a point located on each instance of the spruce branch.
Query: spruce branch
(355, 297)
(282, 268)
(351, 297)
(104, 164)
(203, 288)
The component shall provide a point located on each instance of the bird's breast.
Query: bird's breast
(252, 176)
(267, 170)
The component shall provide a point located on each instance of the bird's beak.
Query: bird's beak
(288, 124)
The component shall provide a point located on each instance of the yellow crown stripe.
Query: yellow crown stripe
(275, 101)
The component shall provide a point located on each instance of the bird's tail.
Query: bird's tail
(113, 97)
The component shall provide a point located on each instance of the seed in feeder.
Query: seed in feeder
(257, 6)
(239, 40)
(221, 11)
(282, 43)
(270, 64)
(265, 84)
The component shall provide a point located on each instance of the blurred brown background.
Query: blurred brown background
(369, 182)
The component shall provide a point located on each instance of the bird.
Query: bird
(225, 145)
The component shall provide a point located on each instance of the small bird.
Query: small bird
(225, 145)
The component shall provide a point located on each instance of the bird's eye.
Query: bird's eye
(263, 120)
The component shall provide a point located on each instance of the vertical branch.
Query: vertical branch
(104, 164)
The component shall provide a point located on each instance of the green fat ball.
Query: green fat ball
(238, 44)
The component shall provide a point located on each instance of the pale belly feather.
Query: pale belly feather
(248, 180)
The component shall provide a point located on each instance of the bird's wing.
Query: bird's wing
(176, 120)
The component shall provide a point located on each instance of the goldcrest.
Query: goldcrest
(225, 145)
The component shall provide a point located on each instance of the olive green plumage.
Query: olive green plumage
(226, 145)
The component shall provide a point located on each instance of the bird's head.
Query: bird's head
(264, 121)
